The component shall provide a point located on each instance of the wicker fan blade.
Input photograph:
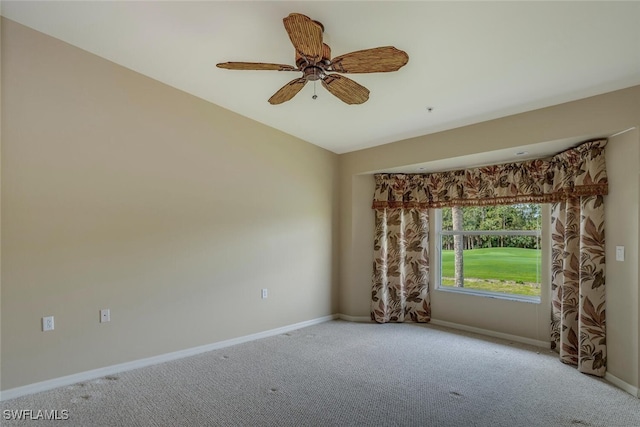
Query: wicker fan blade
(346, 89)
(255, 66)
(305, 34)
(376, 60)
(287, 91)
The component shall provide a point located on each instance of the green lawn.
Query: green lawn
(507, 270)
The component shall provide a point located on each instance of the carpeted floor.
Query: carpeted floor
(348, 374)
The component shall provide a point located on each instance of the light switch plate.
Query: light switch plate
(619, 253)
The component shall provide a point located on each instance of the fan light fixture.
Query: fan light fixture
(313, 59)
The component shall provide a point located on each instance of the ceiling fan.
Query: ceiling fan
(313, 59)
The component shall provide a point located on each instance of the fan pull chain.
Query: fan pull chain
(314, 91)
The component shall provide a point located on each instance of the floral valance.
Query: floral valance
(579, 171)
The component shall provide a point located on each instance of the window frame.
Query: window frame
(437, 265)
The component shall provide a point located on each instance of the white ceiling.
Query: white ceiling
(469, 61)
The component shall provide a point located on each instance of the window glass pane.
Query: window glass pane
(492, 262)
(507, 269)
(447, 221)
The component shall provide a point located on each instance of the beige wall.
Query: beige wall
(621, 208)
(120, 192)
(601, 115)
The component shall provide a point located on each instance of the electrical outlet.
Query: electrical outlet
(105, 315)
(265, 293)
(47, 323)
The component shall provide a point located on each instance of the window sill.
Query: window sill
(486, 294)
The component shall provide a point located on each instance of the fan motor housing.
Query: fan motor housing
(313, 73)
(301, 61)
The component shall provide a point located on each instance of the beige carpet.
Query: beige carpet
(348, 374)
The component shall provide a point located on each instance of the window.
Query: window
(490, 250)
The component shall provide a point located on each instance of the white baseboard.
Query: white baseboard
(634, 391)
(545, 344)
(516, 338)
(360, 319)
(12, 393)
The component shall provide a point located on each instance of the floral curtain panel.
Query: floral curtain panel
(401, 266)
(574, 181)
(577, 283)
